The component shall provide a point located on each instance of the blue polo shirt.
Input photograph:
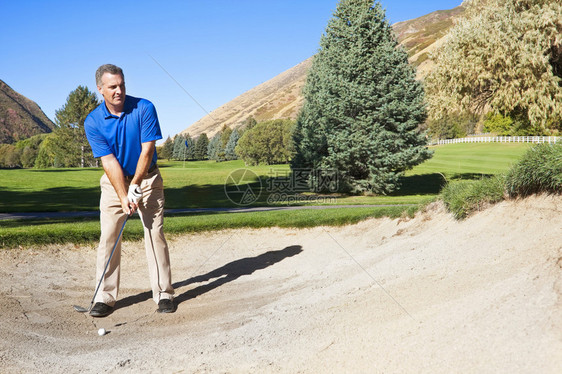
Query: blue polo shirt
(123, 135)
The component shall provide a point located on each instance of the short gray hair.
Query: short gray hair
(107, 68)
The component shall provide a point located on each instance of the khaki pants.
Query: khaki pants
(112, 217)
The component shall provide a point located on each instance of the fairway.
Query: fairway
(456, 160)
(200, 184)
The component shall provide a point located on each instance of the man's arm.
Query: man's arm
(115, 174)
(145, 159)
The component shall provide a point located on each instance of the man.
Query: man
(123, 131)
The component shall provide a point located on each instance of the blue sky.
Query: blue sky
(216, 50)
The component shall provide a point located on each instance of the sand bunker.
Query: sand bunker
(428, 294)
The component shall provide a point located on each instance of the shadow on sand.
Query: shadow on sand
(225, 274)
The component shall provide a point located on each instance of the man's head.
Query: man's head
(111, 85)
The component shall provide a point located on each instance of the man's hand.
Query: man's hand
(128, 207)
(115, 174)
(135, 194)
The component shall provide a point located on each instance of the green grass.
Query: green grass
(539, 170)
(471, 160)
(83, 231)
(31, 190)
(201, 185)
(464, 197)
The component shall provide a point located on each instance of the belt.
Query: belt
(150, 170)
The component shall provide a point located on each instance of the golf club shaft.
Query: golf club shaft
(107, 264)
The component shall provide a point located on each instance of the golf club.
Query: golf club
(84, 310)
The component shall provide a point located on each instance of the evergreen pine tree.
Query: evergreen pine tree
(200, 152)
(190, 151)
(72, 147)
(229, 151)
(167, 149)
(249, 123)
(214, 147)
(179, 148)
(362, 103)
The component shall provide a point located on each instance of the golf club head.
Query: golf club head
(80, 309)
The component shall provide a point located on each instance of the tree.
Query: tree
(505, 56)
(181, 151)
(225, 136)
(10, 156)
(178, 150)
(269, 142)
(190, 144)
(73, 148)
(249, 123)
(230, 152)
(453, 126)
(217, 144)
(200, 152)
(167, 149)
(362, 105)
(47, 154)
(29, 149)
(214, 148)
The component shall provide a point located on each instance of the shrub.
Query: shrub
(453, 126)
(463, 197)
(10, 156)
(498, 124)
(540, 170)
(268, 142)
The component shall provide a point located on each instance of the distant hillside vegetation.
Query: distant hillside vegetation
(20, 118)
(422, 35)
(281, 97)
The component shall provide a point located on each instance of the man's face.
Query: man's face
(113, 89)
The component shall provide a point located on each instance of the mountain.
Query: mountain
(423, 35)
(281, 96)
(20, 117)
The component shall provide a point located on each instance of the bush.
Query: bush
(498, 124)
(268, 142)
(453, 126)
(10, 156)
(540, 170)
(463, 197)
(514, 124)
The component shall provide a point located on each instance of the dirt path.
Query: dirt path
(428, 295)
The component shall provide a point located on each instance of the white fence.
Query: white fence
(501, 139)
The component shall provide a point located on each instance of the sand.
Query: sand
(422, 295)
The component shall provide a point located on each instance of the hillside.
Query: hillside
(20, 117)
(281, 97)
(423, 35)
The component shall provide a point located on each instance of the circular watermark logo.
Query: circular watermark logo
(242, 187)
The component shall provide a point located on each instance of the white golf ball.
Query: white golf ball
(101, 332)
